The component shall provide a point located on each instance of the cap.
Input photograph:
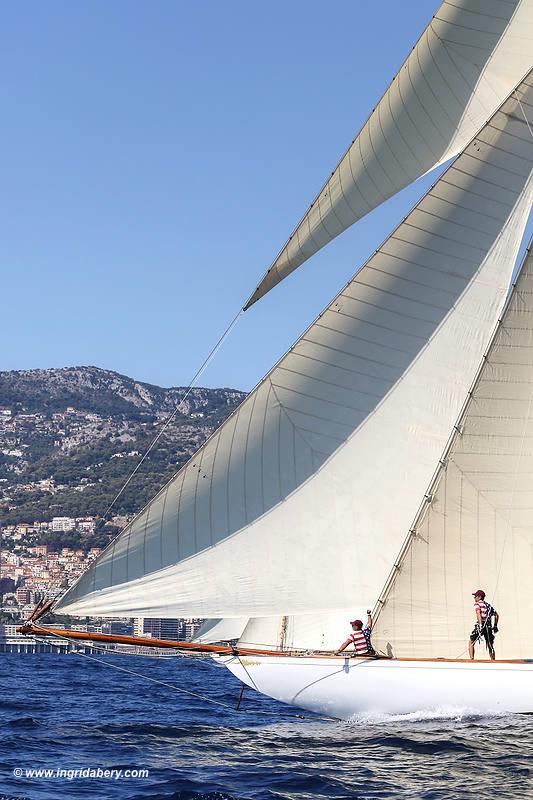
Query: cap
(357, 622)
(479, 593)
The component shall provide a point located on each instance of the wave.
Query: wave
(24, 722)
(186, 795)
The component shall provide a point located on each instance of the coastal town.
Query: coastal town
(329, 206)
(31, 571)
(69, 440)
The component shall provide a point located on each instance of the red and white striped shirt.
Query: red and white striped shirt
(359, 642)
(482, 606)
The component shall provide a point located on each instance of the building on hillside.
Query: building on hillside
(189, 627)
(63, 524)
(39, 550)
(121, 627)
(85, 524)
(156, 628)
(166, 628)
(23, 596)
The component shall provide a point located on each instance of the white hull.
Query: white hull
(343, 687)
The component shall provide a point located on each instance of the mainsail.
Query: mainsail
(468, 59)
(299, 501)
(477, 529)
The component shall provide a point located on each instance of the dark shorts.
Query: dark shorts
(487, 634)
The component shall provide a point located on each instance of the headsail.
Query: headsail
(478, 529)
(323, 631)
(220, 630)
(298, 501)
(468, 59)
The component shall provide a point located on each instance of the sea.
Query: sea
(74, 727)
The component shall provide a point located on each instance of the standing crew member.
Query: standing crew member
(360, 638)
(483, 628)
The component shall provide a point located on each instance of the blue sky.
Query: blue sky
(155, 158)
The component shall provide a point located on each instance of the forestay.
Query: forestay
(469, 58)
(477, 532)
(300, 500)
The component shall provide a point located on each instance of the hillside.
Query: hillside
(70, 437)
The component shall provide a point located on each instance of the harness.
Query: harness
(487, 625)
(490, 613)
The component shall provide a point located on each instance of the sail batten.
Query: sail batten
(291, 484)
(465, 63)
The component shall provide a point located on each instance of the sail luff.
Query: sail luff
(443, 93)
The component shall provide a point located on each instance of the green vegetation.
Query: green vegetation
(85, 440)
(9, 619)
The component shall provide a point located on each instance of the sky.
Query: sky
(155, 158)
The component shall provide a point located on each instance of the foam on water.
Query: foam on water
(444, 713)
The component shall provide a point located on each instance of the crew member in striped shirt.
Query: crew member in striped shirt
(360, 637)
(483, 628)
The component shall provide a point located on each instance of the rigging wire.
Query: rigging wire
(214, 350)
(524, 115)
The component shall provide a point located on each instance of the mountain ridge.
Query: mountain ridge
(70, 436)
(70, 381)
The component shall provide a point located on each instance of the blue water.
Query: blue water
(71, 713)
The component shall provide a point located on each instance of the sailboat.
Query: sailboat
(386, 461)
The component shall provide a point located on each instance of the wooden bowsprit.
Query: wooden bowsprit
(42, 608)
(32, 629)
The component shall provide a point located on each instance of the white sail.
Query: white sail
(319, 631)
(477, 532)
(299, 501)
(264, 632)
(220, 630)
(469, 58)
